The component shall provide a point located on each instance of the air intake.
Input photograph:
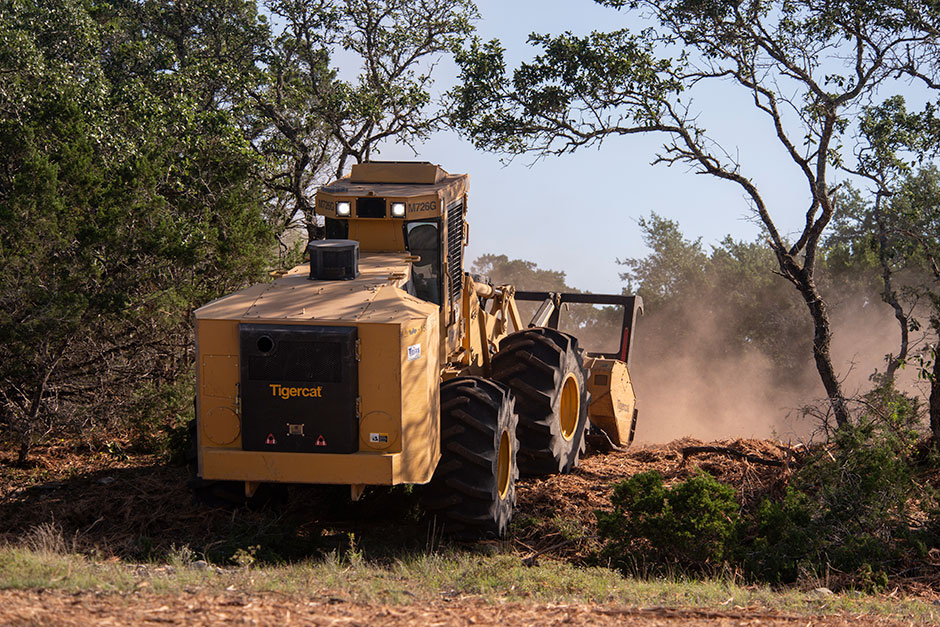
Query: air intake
(334, 259)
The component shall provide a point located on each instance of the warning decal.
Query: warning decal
(321, 441)
(378, 438)
(414, 352)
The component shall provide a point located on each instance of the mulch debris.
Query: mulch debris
(555, 514)
(136, 507)
(29, 607)
(110, 503)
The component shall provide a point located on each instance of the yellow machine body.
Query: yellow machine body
(613, 401)
(405, 346)
(398, 401)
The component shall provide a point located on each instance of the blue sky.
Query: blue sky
(578, 213)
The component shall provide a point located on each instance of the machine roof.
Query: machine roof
(447, 187)
(373, 296)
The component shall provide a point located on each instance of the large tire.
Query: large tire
(473, 490)
(544, 369)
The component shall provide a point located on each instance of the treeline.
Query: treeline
(718, 306)
(151, 154)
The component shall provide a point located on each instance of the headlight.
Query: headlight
(398, 209)
(342, 208)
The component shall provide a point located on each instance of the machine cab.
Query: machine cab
(414, 208)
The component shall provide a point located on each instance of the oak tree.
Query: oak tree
(322, 117)
(808, 67)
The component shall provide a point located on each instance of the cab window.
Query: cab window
(423, 240)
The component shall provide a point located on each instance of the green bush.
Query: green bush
(858, 506)
(782, 541)
(691, 525)
(158, 419)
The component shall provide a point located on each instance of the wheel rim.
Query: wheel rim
(570, 409)
(504, 464)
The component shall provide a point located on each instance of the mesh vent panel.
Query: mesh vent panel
(312, 362)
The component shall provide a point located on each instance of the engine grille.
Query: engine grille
(455, 247)
(308, 362)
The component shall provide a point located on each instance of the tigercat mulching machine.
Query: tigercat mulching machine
(383, 362)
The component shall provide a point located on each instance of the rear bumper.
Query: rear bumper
(355, 468)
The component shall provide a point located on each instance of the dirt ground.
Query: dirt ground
(137, 507)
(109, 502)
(40, 608)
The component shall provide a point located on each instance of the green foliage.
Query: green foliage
(524, 275)
(578, 91)
(782, 537)
(158, 418)
(865, 486)
(897, 233)
(674, 267)
(558, 89)
(128, 198)
(693, 524)
(858, 505)
(851, 507)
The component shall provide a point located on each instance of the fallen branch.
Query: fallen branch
(723, 450)
(532, 560)
(602, 442)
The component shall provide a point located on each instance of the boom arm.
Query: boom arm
(488, 314)
(547, 314)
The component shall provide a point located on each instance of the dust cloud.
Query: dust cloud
(692, 378)
(697, 375)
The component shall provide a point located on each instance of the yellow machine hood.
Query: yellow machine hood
(373, 296)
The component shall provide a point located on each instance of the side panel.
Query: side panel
(421, 372)
(613, 401)
(217, 392)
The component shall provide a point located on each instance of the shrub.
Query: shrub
(692, 524)
(782, 541)
(857, 506)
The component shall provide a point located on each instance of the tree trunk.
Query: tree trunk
(25, 444)
(935, 395)
(821, 341)
(26, 433)
(35, 403)
(888, 294)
